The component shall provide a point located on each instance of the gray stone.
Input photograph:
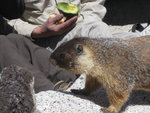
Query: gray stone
(16, 90)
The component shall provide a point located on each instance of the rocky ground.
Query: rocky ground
(67, 102)
(17, 98)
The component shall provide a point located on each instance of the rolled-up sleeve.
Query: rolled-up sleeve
(22, 27)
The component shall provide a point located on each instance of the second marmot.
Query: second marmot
(119, 66)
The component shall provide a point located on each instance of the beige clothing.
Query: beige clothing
(89, 23)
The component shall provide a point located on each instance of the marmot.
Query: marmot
(117, 65)
(16, 90)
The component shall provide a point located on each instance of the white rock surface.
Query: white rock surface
(67, 102)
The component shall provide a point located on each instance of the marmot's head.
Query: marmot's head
(74, 56)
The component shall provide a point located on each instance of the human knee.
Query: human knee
(13, 36)
(18, 39)
(3, 41)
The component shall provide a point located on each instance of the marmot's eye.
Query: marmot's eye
(79, 49)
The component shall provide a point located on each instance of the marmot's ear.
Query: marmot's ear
(79, 49)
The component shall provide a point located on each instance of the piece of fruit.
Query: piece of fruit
(59, 22)
(68, 9)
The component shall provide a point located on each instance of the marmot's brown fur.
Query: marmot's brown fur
(119, 66)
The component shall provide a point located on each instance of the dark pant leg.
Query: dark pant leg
(21, 51)
(10, 54)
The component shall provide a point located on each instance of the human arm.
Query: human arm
(51, 28)
(36, 14)
(48, 29)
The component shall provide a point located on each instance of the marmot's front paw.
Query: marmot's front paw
(110, 109)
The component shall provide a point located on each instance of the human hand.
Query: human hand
(52, 28)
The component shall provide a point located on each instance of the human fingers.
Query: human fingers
(66, 26)
(68, 23)
(55, 19)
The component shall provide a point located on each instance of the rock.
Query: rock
(16, 90)
(67, 102)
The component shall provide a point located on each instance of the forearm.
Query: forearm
(38, 32)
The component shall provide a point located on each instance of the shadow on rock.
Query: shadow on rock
(100, 98)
